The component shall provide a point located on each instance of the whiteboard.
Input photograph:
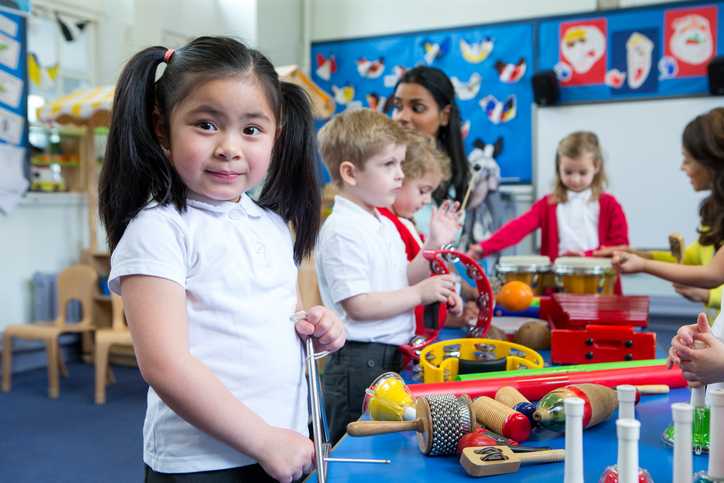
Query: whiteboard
(641, 144)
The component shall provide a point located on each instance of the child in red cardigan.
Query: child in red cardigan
(578, 217)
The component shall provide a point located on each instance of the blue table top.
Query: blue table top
(599, 451)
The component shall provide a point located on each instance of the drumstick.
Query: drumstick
(496, 460)
(473, 180)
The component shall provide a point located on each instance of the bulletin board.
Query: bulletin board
(633, 54)
(13, 80)
(490, 67)
(636, 54)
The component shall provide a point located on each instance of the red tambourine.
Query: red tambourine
(438, 260)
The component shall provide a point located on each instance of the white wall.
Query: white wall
(45, 233)
(280, 36)
(338, 19)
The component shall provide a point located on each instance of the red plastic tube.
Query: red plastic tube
(536, 386)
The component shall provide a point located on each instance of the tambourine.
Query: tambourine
(442, 361)
(473, 274)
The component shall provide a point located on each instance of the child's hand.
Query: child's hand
(285, 454)
(694, 294)
(475, 251)
(455, 305)
(324, 325)
(573, 253)
(628, 262)
(436, 289)
(683, 341)
(444, 224)
(609, 251)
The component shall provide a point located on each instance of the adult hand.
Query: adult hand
(694, 294)
(627, 262)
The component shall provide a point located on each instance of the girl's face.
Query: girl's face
(577, 173)
(221, 137)
(414, 107)
(415, 194)
(699, 175)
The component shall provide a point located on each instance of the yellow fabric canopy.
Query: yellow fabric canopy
(93, 106)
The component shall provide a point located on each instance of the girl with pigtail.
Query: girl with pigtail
(208, 275)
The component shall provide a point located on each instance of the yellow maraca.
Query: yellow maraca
(389, 399)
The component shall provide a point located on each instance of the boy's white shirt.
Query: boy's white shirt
(577, 222)
(235, 261)
(357, 253)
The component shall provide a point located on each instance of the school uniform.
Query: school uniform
(580, 224)
(235, 263)
(357, 253)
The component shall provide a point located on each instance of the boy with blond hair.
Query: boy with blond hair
(362, 268)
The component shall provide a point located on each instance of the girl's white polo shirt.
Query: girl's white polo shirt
(235, 262)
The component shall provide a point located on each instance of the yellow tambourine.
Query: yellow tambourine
(444, 360)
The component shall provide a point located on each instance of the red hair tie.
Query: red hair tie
(167, 55)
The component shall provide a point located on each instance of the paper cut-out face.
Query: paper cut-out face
(639, 49)
(582, 46)
(692, 40)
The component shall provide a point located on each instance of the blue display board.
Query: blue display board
(633, 54)
(490, 67)
(13, 80)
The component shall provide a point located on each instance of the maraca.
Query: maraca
(389, 399)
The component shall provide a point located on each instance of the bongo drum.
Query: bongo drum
(533, 270)
(584, 275)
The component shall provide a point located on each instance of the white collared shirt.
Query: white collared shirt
(578, 222)
(359, 253)
(236, 264)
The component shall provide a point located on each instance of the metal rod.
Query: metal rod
(357, 460)
(316, 420)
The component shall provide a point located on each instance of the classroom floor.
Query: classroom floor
(70, 439)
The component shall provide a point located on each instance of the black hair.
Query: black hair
(703, 138)
(449, 137)
(136, 170)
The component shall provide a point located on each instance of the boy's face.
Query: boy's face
(380, 182)
(415, 194)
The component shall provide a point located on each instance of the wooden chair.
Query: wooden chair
(77, 282)
(118, 334)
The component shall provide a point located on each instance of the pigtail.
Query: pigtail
(292, 187)
(135, 169)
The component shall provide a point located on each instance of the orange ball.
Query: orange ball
(515, 296)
